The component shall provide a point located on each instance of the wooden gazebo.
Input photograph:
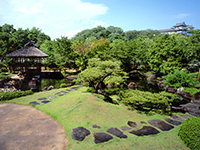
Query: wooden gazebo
(26, 56)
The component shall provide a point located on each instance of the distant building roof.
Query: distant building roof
(30, 50)
(179, 27)
(180, 24)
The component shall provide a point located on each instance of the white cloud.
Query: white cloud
(54, 17)
(181, 16)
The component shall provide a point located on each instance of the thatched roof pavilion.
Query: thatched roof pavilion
(30, 50)
(23, 56)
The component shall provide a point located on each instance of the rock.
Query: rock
(174, 122)
(102, 137)
(132, 85)
(50, 87)
(152, 79)
(177, 118)
(160, 124)
(143, 122)
(191, 106)
(44, 89)
(186, 116)
(179, 90)
(197, 96)
(124, 128)
(52, 96)
(194, 112)
(109, 85)
(132, 124)
(34, 89)
(187, 95)
(146, 130)
(34, 103)
(116, 132)
(80, 133)
(43, 98)
(171, 90)
(45, 102)
(72, 83)
(96, 126)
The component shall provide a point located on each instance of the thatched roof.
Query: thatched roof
(30, 50)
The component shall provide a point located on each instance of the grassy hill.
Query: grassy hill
(79, 108)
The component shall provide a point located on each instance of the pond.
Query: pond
(44, 83)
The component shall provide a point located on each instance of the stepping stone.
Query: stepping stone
(143, 122)
(117, 133)
(45, 102)
(58, 93)
(102, 137)
(146, 130)
(186, 116)
(177, 118)
(34, 103)
(68, 90)
(80, 133)
(174, 122)
(160, 124)
(96, 126)
(52, 96)
(132, 124)
(43, 98)
(125, 128)
(194, 112)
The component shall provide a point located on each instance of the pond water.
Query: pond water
(45, 83)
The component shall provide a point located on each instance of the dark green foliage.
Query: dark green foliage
(112, 91)
(90, 89)
(141, 100)
(190, 133)
(180, 79)
(10, 95)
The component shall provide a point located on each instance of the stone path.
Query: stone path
(154, 126)
(45, 100)
(24, 127)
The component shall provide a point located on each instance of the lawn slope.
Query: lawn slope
(79, 108)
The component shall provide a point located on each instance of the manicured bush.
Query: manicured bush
(90, 89)
(63, 85)
(14, 94)
(180, 79)
(141, 99)
(190, 133)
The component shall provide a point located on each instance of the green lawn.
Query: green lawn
(79, 108)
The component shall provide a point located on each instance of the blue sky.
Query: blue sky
(59, 18)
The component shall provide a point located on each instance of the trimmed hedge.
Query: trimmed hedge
(14, 94)
(142, 99)
(190, 133)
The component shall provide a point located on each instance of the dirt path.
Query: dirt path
(26, 128)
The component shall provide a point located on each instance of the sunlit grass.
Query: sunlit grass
(79, 108)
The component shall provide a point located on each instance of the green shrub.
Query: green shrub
(190, 133)
(63, 85)
(112, 91)
(180, 79)
(86, 84)
(90, 89)
(14, 94)
(142, 99)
